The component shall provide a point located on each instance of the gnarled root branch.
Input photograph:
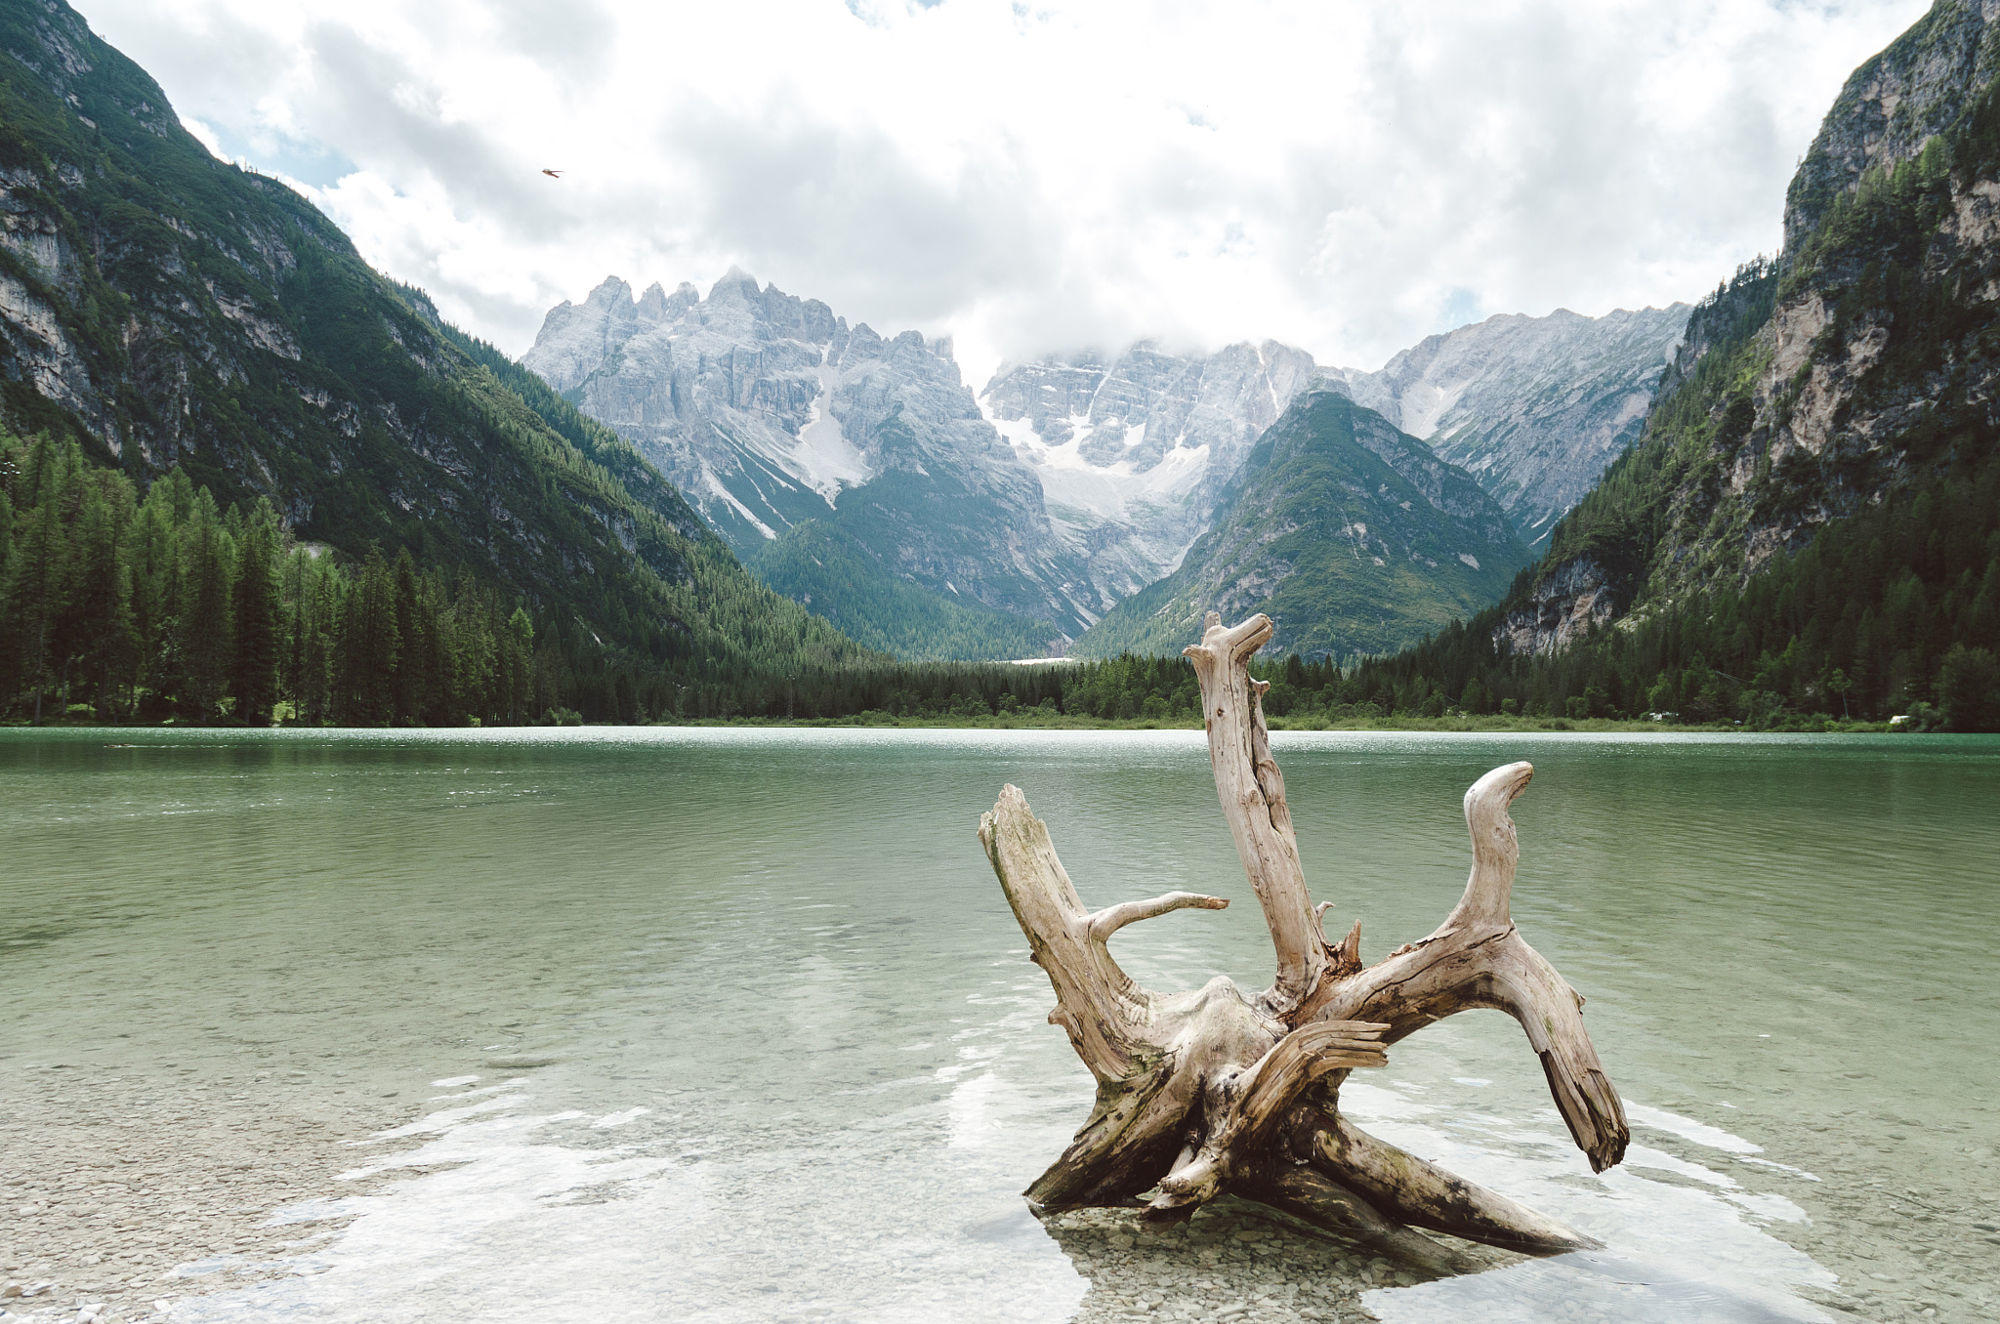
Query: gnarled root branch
(1214, 1091)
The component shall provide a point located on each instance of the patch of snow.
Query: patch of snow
(1424, 406)
(1104, 491)
(1469, 559)
(715, 488)
(825, 459)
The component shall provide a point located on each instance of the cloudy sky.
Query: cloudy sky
(1346, 175)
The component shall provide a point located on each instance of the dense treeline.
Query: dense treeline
(1894, 610)
(119, 607)
(171, 607)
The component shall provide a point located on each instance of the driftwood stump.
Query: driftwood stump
(1212, 1091)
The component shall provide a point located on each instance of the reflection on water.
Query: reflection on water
(736, 1024)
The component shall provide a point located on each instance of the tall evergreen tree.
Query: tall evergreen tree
(370, 647)
(39, 580)
(254, 675)
(97, 633)
(204, 612)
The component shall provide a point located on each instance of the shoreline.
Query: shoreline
(1023, 722)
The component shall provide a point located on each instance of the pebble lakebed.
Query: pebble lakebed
(124, 1193)
(135, 1193)
(127, 1194)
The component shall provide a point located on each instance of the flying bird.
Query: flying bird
(553, 174)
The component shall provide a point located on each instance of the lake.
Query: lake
(735, 1024)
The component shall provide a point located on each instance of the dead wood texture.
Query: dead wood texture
(1214, 1091)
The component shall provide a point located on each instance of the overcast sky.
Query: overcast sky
(1345, 175)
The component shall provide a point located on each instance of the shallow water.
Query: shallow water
(735, 1024)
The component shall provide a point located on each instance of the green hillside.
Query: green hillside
(827, 569)
(1355, 539)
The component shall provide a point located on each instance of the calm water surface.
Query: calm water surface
(736, 1023)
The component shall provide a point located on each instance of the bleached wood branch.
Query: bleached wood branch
(1252, 792)
(1210, 1091)
(1109, 920)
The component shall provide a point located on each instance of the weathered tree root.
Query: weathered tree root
(1211, 1091)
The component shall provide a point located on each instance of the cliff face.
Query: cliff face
(1891, 106)
(1355, 538)
(1559, 610)
(770, 411)
(1859, 366)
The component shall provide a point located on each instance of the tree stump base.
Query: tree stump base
(1212, 1091)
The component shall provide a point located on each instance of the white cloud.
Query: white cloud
(1347, 176)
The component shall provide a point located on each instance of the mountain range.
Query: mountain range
(1352, 536)
(773, 415)
(1533, 408)
(862, 477)
(717, 494)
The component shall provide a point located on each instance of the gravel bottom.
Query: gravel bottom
(121, 1194)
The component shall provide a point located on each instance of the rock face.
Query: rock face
(1891, 106)
(1133, 452)
(770, 411)
(1860, 367)
(1560, 610)
(1353, 537)
(1534, 408)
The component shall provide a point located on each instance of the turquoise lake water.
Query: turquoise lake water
(735, 1024)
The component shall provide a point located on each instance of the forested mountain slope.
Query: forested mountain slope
(1355, 538)
(167, 310)
(1812, 519)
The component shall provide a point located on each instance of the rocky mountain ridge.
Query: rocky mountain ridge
(770, 411)
(1534, 408)
(1354, 537)
(1134, 450)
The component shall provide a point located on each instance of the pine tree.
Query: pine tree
(1969, 689)
(254, 672)
(517, 641)
(98, 638)
(39, 578)
(204, 612)
(365, 688)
